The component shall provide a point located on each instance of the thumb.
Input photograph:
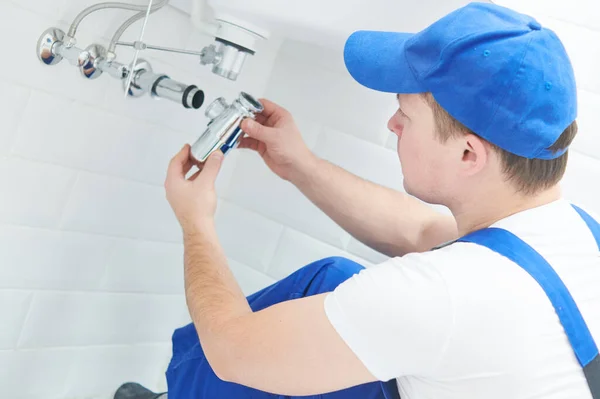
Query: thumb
(211, 167)
(258, 131)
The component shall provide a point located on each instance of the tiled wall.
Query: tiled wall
(90, 253)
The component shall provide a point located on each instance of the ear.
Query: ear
(476, 154)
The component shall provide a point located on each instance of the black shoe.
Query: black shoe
(133, 390)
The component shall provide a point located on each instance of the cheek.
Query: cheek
(420, 157)
(409, 146)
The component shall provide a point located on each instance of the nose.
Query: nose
(395, 126)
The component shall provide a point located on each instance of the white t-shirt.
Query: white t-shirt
(463, 322)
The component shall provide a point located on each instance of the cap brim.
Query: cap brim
(377, 60)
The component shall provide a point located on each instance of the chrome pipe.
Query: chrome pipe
(74, 55)
(102, 6)
(224, 131)
(113, 68)
(161, 86)
(119, 32)
(145, 46)
(188, 96)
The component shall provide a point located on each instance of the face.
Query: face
(429, 167)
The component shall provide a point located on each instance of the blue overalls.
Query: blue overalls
(189, 376)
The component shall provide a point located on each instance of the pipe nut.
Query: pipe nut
(210, 55)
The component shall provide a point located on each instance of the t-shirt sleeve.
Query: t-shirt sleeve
(396, 317)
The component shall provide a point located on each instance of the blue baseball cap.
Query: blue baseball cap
(497, 71)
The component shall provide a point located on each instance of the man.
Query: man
(487, 108)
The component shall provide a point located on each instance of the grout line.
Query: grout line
(269, 264)
(271, 218)
(25, 320)
(11, 151)
(68, 200)
(42, 290)
(90, 233)
(78, 169)
(92, 346)
(336, 130)
(18, 5)
(99, 105)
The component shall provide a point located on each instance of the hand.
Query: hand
(194, 200)
(275, 136)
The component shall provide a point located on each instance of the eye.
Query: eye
(402, 114)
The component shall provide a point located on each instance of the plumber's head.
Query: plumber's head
(487, 101)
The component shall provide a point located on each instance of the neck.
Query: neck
(483, 210)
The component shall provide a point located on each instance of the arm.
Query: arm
(389, 221)
(290, 348)
(386, 220)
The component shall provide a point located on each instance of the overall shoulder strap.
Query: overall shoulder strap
(593, 225)
(507, 244)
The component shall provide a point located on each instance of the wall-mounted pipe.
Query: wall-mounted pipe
(107, 5)
(113, 42)
(161, 86)
(93, 61)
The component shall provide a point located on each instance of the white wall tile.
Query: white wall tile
(578, 12)
(367, 160)
(95, 140)
(98, 371)
(331, 97)
(81, 319)
(50, 9)
(13, 99)
(297, 250)
(587, 140)
(104, 205)
(309, 127)
(35, 374)
(33, 193)
(247, 236)
(260, 190)
(14, 306)
(249, 279)
(300, 87)
(145, 267)
(50, 259)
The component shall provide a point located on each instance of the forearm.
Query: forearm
(213, 295)
(389, 221)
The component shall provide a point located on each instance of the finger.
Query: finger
(211, 168)
(260, 118)
(258, 131)
(249, 142)
(179, 164)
